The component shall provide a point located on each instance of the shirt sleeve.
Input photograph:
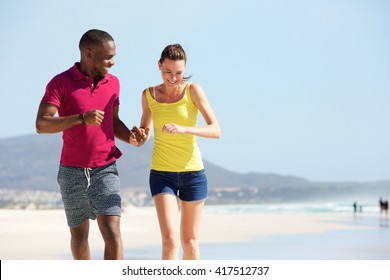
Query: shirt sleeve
(53, 93)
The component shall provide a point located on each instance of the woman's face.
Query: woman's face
(172, 71)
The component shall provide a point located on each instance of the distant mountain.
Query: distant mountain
(31, 163)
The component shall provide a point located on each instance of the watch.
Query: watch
(82, 119)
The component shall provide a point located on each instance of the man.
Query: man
(86, 98)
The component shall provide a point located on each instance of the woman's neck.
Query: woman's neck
(169, 94)
(172, 91)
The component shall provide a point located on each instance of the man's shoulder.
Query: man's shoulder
(112, 77)
(64, 75)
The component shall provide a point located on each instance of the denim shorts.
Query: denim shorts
(188, 186)
(89, 192)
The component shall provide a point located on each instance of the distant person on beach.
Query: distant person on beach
(86, 98)
(383, 206)
(355, 207)
(177, 179)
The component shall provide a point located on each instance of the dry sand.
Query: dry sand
(43, 234)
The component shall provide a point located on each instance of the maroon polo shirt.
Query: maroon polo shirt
(74, 93)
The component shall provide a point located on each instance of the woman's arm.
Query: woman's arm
(211, 129)
(142, 133)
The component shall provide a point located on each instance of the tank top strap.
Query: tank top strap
(188, 85)
(187, 90)
(154, 93)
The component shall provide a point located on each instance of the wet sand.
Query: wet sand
(44, 235)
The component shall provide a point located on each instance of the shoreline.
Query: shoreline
(44, 235)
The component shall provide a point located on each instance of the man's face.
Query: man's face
(102, 59)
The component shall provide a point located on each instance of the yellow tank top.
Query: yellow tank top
(174, 152)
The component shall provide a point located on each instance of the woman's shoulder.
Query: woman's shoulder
(194, 87)
(149, 93)
(196, 93)
(148, 90)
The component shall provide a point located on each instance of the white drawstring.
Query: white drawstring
(88, 176)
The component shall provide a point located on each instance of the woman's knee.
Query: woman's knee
(170, 242)
(190, 244)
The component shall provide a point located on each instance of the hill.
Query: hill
(30, 163)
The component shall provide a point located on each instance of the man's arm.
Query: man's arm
(120, 129)
(47, 122)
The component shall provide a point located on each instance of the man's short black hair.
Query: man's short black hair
(94, 37)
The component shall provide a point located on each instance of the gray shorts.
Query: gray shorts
(87, 193)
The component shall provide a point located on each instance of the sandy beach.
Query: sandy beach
(43, 234)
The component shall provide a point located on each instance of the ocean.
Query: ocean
(309, 207)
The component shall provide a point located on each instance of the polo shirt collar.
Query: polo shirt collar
(78, 75)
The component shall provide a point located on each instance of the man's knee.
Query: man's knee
(79, 234)
(110, 227)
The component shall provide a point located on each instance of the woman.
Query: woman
(177, 178)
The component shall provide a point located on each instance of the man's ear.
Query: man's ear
(88, 53)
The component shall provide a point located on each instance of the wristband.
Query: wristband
(82, 119)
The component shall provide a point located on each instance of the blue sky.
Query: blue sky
(299, 87)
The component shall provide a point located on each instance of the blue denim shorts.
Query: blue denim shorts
(188, 186)
(89, 192)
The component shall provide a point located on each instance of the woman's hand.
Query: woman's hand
(172, 128)
(138, 136)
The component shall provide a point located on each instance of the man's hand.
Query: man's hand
(94, 117)
(138, 136)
